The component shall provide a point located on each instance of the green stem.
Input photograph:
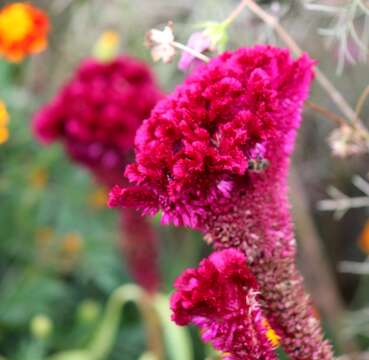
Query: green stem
(156, 316)
(103, 341)
(177, 338)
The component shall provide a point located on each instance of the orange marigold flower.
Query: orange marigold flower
(4, 135)
(23, 31)
(364, 238)
(4, 116)
(4, 120)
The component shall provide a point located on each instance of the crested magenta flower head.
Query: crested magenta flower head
(231, 120)
(214, 156)
(221, 297)
(23, 31)
(97, 113)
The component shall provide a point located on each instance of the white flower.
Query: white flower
(161, 43)
(345, 141)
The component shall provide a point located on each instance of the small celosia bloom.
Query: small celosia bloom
(23, 31)
(96, 116)
(214, 156)
(220, 296)
(97, 113)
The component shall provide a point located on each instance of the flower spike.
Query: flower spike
(214, 156)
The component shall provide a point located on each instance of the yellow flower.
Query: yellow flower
(271, 334)
(23, 30)
(364, 238)
(106, 47)
(4, 120)
(4, 135)
(4, 116)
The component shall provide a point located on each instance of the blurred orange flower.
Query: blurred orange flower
(99, 198)
(23, 31)
(72, 243)
(364, 238)
(38, 178)
(4, 120)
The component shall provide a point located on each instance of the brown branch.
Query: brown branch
(335, 95)
(326, 113)
(360, 103)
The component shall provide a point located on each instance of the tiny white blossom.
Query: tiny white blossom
(345, 141)
(161, 43)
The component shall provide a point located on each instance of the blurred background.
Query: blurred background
(59, 257)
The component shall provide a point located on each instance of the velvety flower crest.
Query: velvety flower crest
(97, 113)
(221, 297)
(230, 120)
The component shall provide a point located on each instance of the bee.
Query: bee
(258, 165)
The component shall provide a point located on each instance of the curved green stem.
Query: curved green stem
(177, 338)
(102, 342)
(156, 315)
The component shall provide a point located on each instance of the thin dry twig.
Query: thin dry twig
(326, 113)
(360, 103)
(324, 82)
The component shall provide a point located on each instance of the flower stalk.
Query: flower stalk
(214, 156)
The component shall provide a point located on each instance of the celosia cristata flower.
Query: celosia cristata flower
(214, 156)
(23, 31)
(96, 116)
(97, 113)
(4, 120)
(220, 296)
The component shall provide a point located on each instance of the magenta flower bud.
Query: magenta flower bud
(220, 296)
(95, 116)
(199, 42)
(214, 156)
